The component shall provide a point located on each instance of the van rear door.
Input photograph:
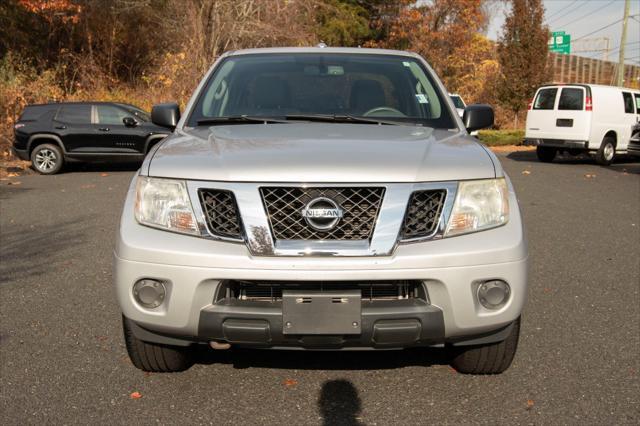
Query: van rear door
(541, 114)
(573, 117)
(560, 113)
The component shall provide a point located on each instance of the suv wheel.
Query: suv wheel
(47, 159)
(155, 357)
(493, 358)
(546, 154)
(607, 151)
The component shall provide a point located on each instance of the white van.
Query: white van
(458, 103)
(578, 118)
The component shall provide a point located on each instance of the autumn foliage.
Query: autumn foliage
(51, 10)
(447, 34)
(147, 51)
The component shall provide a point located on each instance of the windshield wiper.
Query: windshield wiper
(242, 119)
(346, 118)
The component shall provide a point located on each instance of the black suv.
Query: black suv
(50, 134)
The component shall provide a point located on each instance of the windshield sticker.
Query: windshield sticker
(422, 98)
(406, 64)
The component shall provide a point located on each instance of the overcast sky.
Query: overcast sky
(581, 17)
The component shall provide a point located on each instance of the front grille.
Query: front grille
(221, 213)
(284, 207)
(423, 213)
(271, 291)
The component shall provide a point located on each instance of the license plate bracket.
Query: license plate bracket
(321, 312)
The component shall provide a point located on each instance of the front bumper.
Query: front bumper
(634, 149)
(193, 269)
(556, 143)
(451, 314)
(22, 154)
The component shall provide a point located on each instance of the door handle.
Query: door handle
(564, 122)
(104, 129)
(61, 127)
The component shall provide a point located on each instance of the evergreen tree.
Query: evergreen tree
(522, 53)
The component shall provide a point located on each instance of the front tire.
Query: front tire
(546, 154)
(607, 151)
(493, 358)
(154, 357)
(47, 159)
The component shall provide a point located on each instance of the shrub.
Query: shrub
(22, 84)
(501, 137)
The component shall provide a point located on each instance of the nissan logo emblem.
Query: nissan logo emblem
(322, 214)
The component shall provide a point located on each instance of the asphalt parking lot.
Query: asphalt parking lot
(63, 359)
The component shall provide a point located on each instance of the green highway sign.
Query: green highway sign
(560, 42)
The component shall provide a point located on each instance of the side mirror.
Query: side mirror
(166, 115)
(478, 116)
(129, 122)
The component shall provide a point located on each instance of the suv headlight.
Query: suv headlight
(479, 205)
(165, 204)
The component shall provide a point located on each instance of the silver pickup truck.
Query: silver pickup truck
(321, 198)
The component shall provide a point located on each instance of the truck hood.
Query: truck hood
(321, 152)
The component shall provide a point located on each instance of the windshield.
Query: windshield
(457, 102)
(294, 86)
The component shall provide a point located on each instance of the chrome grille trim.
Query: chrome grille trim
(256, 228)
(284, 204)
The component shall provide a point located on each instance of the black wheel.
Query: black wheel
(607, 151)
(155, 357)
(546, 154)
(493, 358)
(47, 159)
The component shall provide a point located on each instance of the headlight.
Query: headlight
(479, 205)
(165, 204)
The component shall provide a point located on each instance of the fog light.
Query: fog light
(493, 294)
(149, 293)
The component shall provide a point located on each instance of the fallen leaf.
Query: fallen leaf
(104, 174)
(290, 382)
(529, 404)
(136, 395)
(589, 175)
(546, 290)
(526, 172)
(14, 183)
(87, 186)
(12, 174)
